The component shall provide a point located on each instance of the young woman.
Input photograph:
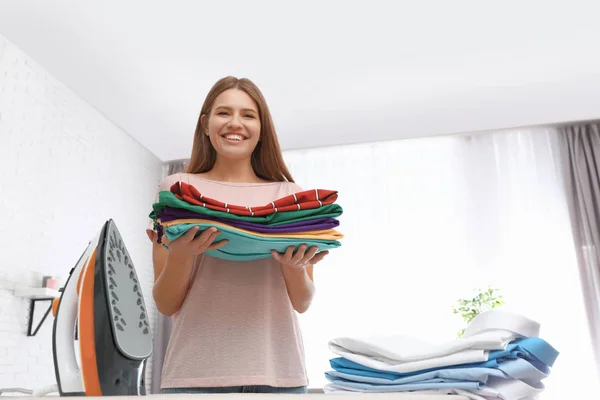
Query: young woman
(236, 328)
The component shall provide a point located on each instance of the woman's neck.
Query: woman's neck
(237, 171)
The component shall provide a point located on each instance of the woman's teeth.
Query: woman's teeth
(234, 137)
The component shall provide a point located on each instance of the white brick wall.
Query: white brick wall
(64, 170)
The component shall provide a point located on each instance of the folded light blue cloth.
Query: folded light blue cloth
(519, 368)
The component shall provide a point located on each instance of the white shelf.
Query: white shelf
(36, 293)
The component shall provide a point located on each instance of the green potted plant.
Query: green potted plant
(484, 300)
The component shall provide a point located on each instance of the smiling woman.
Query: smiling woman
(233, 126)
(236, 325)
(235, 123)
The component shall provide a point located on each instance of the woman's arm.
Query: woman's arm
(173, 267)
(297, 270)
(300, 286)
(171, 277)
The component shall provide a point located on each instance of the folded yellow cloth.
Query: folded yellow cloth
(323, 234)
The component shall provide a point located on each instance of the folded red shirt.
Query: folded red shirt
(307, 199)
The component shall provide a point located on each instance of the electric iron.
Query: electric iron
(102, 308)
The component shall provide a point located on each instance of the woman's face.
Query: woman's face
(233, 125)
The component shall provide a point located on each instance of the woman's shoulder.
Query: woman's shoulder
(198, 180)
(168, 181)
(294, 187)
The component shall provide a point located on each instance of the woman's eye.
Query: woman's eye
(249, 116)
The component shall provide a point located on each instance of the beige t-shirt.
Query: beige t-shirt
(236, 326)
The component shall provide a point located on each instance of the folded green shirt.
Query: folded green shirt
(166, 198)
(243, 246)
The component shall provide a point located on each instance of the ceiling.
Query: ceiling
(333, 72)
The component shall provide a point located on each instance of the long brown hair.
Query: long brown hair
(267, 160)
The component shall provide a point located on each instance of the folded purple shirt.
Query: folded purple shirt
(171, 214)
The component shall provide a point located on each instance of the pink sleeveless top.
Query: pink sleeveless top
(236, 326)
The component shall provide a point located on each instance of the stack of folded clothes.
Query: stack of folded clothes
(307, 217)
(500, 356)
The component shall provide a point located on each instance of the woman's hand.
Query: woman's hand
(297, 271)
(186, 245)
(301, 258)
(152, 235)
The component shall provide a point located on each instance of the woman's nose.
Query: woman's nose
(235, 121)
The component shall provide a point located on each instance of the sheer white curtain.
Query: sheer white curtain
(430, 220)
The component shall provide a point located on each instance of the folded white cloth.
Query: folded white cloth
(490, 330)
(332, 388)
(416, 395)
(495, 320)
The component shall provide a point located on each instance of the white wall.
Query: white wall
(64, 170)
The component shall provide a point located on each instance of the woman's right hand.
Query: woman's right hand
(173, 267)
(187, 246)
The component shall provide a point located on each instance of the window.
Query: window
(429, 220)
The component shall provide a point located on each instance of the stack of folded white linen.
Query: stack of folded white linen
(500, 356)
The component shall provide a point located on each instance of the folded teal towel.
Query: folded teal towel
(245, 247)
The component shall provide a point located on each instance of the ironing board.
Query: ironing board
(315, 396)
(270, 396)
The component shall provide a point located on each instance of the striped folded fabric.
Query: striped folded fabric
(307, 217)
(304, 200)
(168, 199)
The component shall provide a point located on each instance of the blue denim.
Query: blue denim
(237, 389)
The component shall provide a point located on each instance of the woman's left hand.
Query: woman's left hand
(301, 258)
